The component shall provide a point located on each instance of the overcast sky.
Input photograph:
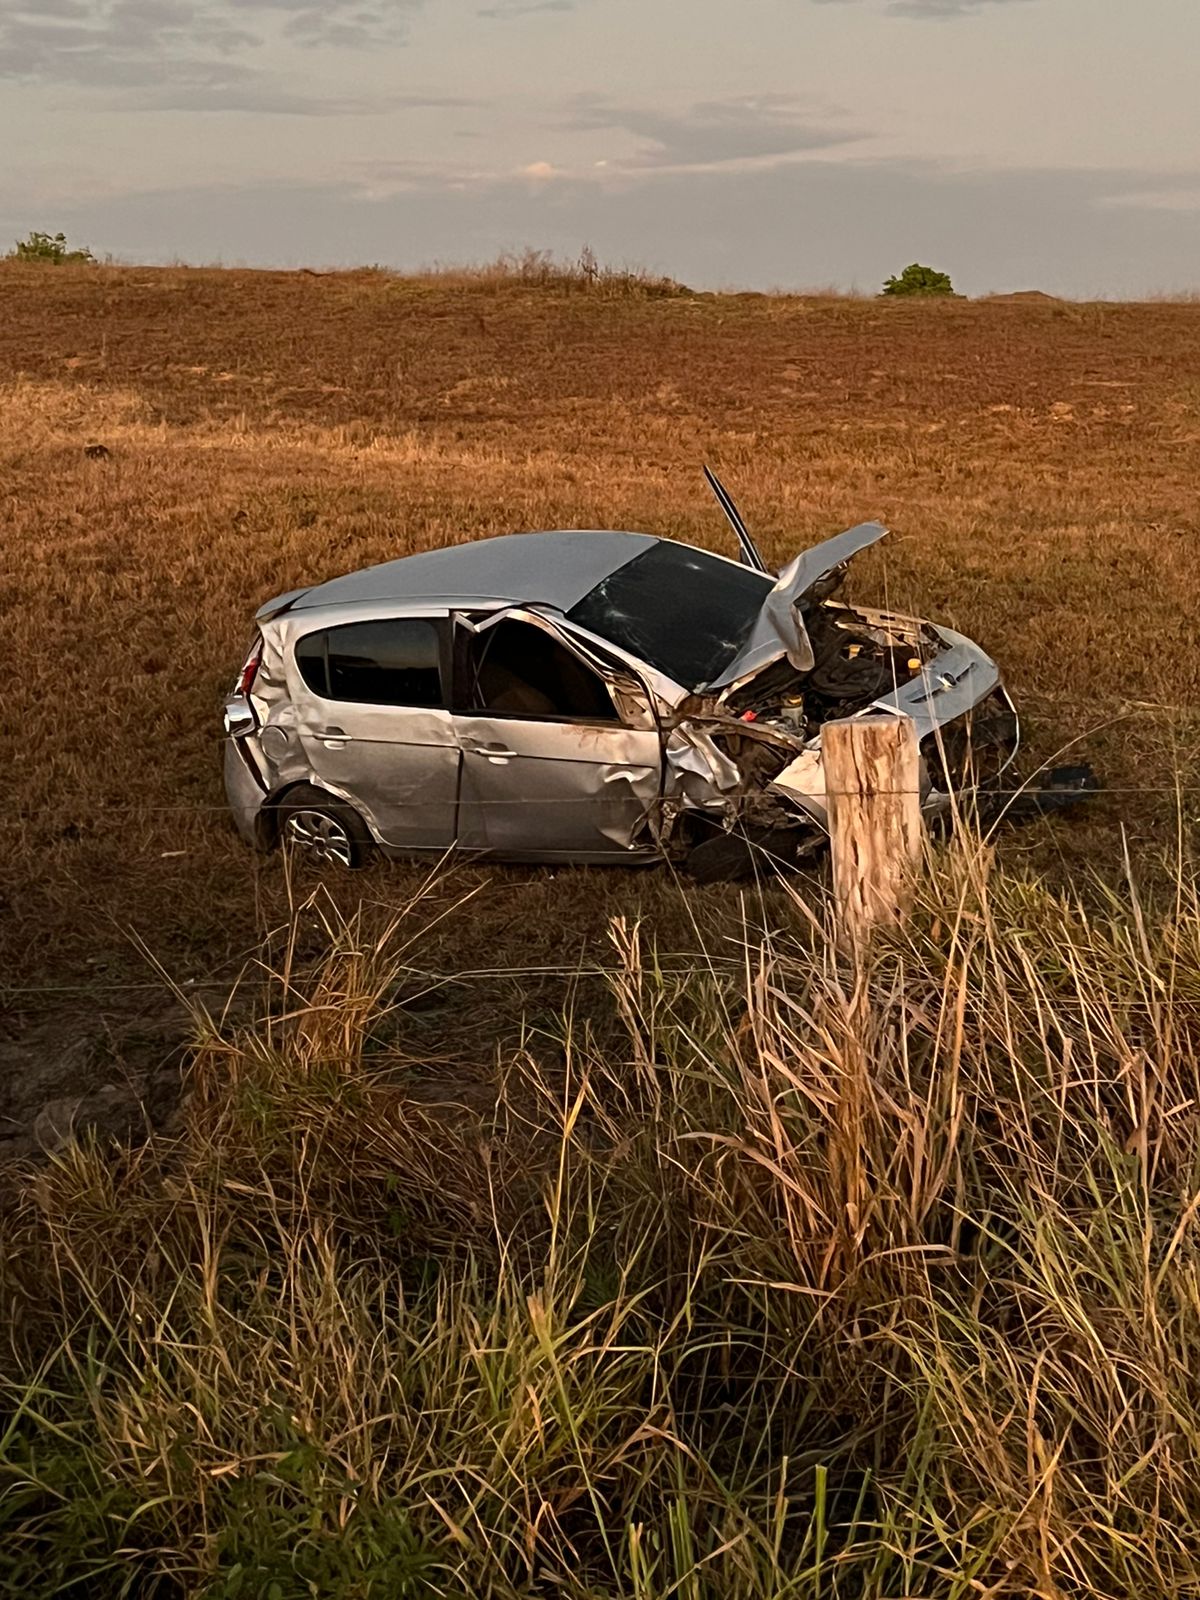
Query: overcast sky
(1050, 144)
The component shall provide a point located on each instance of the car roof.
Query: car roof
(555, 569)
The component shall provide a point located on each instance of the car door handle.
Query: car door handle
(479, 747)
(333, 733)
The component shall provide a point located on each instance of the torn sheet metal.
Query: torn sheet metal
(780, 628)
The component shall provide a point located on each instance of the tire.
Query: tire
(731, 857)
(323, 830)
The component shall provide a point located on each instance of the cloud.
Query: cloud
(255, 95)
(1185, 198)
(69, 10)
(258, 94)
(930, 10)
(186, 54)
(505, 10)
(713, 133)
(944, 8)
(377, 181)
(127, 42)
(351, 24)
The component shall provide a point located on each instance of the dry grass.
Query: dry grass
(1037, 462)
(787, 1288)
(544, 270)
(665, 1264)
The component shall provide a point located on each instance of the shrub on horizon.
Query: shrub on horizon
(917, 279)
(51, 248)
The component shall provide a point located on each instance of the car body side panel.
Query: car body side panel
(245, 796)
(399, 764)
(698, 774)
(541, 787)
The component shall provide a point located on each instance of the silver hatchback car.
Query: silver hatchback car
(586, 697)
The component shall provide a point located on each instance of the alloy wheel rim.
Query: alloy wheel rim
(320, 836)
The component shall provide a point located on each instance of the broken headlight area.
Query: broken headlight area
(974, 753)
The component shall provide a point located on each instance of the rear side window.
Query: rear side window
(393, 662)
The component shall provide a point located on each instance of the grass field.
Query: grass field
(1037, 462)
(928, 1326)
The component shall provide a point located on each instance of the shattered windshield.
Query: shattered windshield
(681, 610)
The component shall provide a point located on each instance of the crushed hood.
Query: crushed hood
(779, 629)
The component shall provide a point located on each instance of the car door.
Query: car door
(374, 723)
(561, 758)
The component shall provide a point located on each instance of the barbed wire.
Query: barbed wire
(252, 957)
(964, 796)
(703, 963)
(709, 966)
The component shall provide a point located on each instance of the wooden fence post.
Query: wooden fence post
(872, 778)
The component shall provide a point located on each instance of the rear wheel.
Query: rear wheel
(321, 829)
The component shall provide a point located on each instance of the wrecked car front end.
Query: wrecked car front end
(750, 757)
(743, 751)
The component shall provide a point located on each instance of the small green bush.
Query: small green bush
(49, 247)
(919, 280)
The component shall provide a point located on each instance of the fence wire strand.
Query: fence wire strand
(985, 793)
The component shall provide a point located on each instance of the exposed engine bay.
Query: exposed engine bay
(767, 729)
(856, 662)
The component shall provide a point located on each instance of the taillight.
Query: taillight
(250, 670)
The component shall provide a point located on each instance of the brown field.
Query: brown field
(603, 1237)
(1038, 463)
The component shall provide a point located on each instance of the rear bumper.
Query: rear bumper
(245, 795)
